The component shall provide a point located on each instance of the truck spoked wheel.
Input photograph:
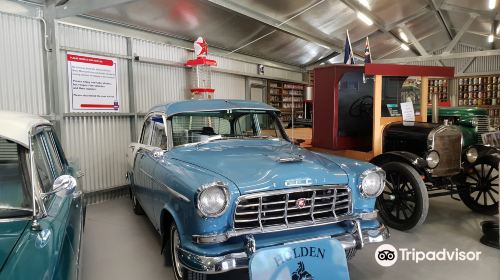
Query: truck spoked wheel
(404, 203)
(480, 188)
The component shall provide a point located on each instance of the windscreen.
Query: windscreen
(202, 126)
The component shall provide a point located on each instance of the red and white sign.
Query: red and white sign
(200, 47)
(92, 83)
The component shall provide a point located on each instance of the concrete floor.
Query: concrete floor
(120, 245)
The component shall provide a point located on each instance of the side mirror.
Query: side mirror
(64, 185)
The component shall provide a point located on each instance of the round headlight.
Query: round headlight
(213, 199)
(372, 183)
(432, 159)
(474, 122)
(471, 155)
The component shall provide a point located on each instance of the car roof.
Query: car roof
(178, 107)
(15, 126)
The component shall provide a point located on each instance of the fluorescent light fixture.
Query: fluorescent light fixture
(365, 18)
(403, 36)
(405, 47)
(365, 3)
(492, 4)
(490, 38)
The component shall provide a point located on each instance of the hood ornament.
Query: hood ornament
(290, 158)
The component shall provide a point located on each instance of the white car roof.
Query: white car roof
(15, 126)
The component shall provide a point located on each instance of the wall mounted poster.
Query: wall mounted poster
(92, 83)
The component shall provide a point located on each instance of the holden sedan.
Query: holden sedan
(220, 180)
(41, 210)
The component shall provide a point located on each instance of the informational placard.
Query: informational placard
(322, 259)
(407, 112)
(92, 82)
(393, 110)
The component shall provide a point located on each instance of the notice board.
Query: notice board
(92, 82)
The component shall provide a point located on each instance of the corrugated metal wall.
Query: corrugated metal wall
(22, 81)
(228, 86)
(97, 142)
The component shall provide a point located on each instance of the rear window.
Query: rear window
(15, 191)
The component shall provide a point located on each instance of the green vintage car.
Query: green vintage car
(41, 210)
(472, 122)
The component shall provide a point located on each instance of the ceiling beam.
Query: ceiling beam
(378, 22)
(439, 14)
(328, 43)
(460, 33)
(440, 56)
(494, 24)
(413, 40)
(466, 66)
(455, 8)
(416, 42)
(79, 7)
(391, 26)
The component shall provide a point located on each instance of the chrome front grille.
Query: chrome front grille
(447, 141)
(292, 207)
(483, 124)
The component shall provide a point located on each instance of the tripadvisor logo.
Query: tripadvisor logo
(387, 255)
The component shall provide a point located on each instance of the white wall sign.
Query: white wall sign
(92, 83)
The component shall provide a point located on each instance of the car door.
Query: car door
(159, 140)
(64, 212)
(144, 165)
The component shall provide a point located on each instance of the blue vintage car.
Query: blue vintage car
(220, 179)
(41, 210)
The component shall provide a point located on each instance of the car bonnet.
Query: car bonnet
(256, 166)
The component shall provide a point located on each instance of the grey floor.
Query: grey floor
(120, 245)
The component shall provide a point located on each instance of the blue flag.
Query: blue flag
(348, 55)
(368, 54)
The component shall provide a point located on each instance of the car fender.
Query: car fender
(401, 156)
(483, 151)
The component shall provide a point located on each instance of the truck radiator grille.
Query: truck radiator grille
(448, 143)
(289, 208)
(483, 123)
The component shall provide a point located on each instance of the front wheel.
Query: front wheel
(479, 188)
(180, 272)
(404, 203)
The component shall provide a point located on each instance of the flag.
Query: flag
(368, 53)
(348, 54)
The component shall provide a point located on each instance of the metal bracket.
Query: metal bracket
(250, 246)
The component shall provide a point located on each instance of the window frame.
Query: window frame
(144, 127)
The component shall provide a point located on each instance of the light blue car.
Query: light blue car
(220, 180)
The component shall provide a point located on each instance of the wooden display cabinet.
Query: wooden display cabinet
(288, 98)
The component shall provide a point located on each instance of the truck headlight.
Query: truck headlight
(213, 199)
(471, 154)
(432, 159)
(474, 122)
(372, 182)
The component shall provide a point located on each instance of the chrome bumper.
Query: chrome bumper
(219, 264)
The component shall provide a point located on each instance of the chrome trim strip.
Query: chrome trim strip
(222, 237)
(220, 264)
(8, 220)
(169, 189)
